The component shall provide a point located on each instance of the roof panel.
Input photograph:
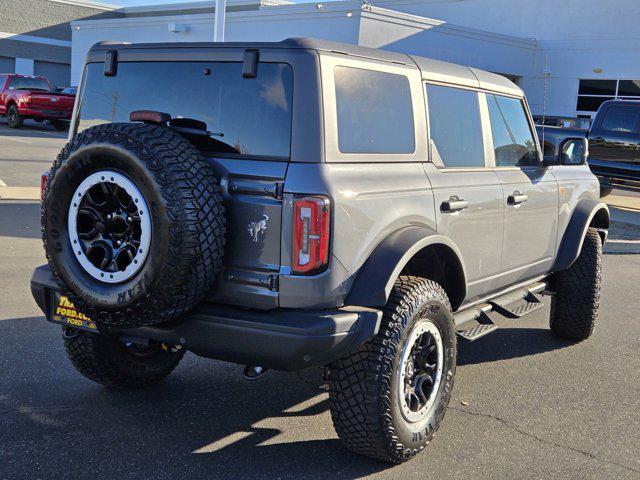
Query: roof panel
(445, 72)
(496, 83)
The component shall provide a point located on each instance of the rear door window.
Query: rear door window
(455, 127)
(374, 110)
(513, 141)
(246, 116)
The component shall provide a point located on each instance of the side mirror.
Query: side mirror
(574, 151)
(571, 151)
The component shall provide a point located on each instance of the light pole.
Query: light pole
(218, 25)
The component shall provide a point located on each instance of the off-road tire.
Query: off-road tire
(362, 388)
(574, 307)
(14, 120)
(105, 360)
(187, 218)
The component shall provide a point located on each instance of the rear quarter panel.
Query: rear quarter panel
(369, 201)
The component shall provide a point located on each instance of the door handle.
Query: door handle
(516, 198)
(454, 204)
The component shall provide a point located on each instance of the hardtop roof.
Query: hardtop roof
(432, 70)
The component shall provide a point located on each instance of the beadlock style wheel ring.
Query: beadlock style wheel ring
(420, 371)
(109, 227)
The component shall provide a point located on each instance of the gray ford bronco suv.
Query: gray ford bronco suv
(308, 203)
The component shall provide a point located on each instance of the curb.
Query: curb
(622, 247)
(19, 193)
(625, 203)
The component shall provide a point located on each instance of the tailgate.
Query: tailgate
(252, 192)
(52, 101)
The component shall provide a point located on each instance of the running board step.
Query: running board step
(481, 324)
(516, 306)
(479, 331)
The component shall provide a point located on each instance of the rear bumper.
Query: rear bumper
(282, 339)
(33, 112)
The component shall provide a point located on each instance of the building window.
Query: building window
(593, 93)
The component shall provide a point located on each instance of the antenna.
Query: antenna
(545, 74)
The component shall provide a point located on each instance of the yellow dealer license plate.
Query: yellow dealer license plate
(66, 314)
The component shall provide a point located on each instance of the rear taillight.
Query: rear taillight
(311, 231)
(44, 178)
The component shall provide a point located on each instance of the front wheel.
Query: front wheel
(13, 117)
(388, 398)
(114, 363)
(574, 307)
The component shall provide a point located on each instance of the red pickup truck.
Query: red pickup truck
(24, 96)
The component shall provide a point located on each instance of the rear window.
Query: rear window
(26, 83)
(247, 116)
(375, 114)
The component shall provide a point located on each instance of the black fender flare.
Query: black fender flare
(583, 216)
(375, 279)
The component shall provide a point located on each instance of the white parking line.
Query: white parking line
(57, 135)
(14, 139)
(2, 184)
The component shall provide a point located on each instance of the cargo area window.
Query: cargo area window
(375, 112)
(455, 127)
(245, 116)
(513, 141)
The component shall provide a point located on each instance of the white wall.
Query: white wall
(24, 66)
(263, 25)
(427, 37)
(576, 36)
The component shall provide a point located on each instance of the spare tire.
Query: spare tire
(133, 224)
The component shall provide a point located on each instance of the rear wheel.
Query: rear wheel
(574, 307)
(114, 363)
(388, 398)
(13, 117)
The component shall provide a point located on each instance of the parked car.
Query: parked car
(614, 143)
(26, 97)
(310, 203)
(70, 90)
(564, 122)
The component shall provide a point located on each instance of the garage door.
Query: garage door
(7, 65)
(59, 74)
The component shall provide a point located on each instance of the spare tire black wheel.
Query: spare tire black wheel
(133, 224)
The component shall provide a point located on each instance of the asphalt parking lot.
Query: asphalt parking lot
(525, 405)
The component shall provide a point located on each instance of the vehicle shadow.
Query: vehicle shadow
(32, 129)
(20, 219)
(508, 343)
(205, 421)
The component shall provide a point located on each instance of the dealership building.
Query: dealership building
(567, 56)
